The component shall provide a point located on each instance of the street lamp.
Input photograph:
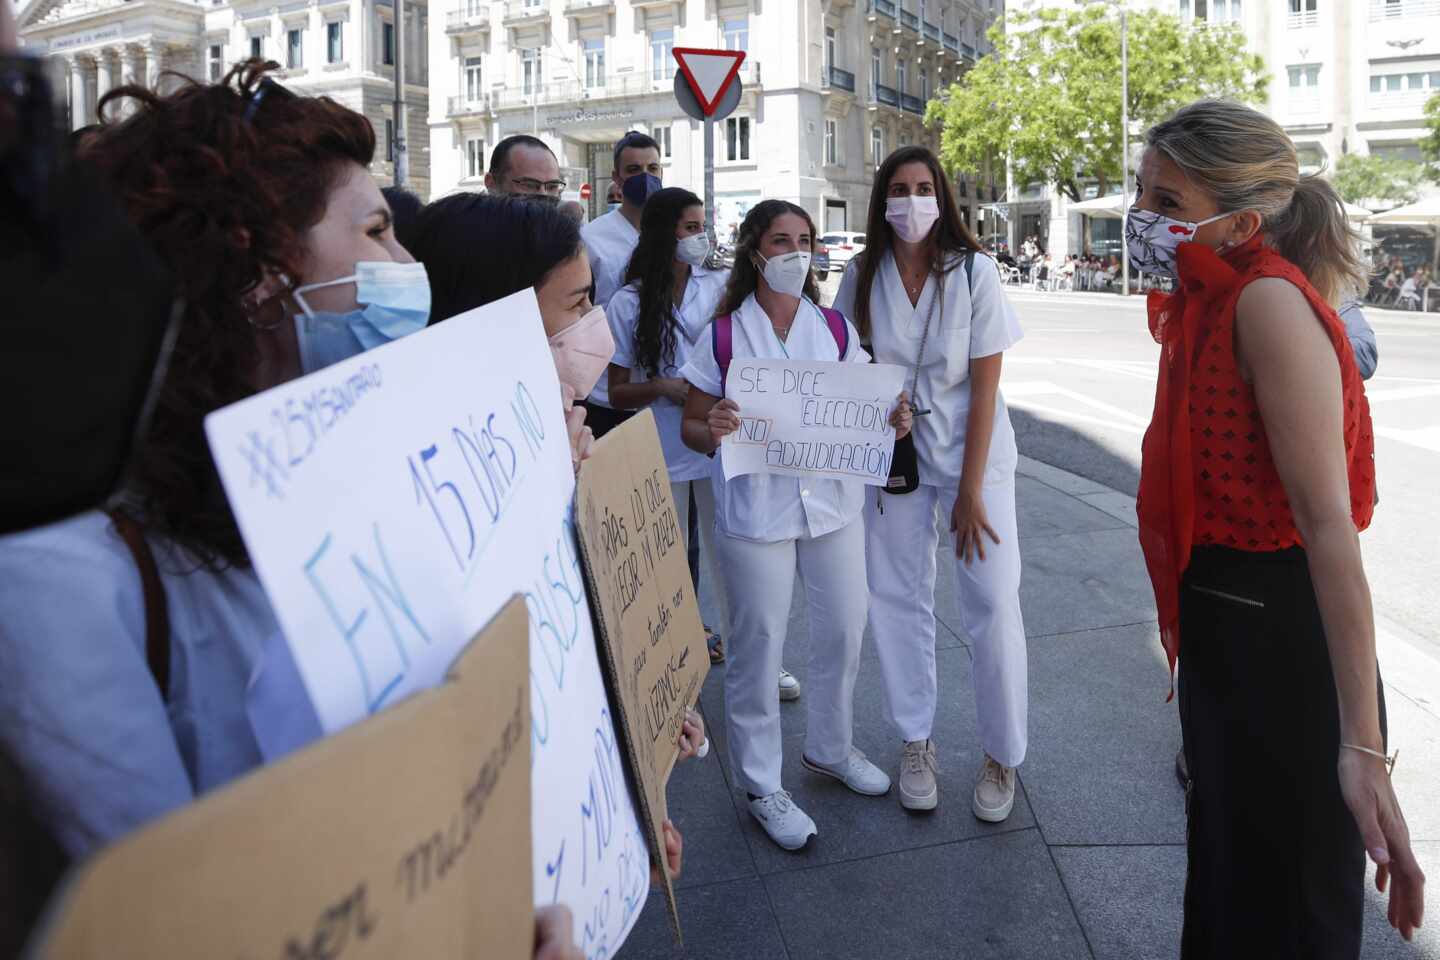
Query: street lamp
(1124, 150)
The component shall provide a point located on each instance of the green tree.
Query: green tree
(1430, 146)
(1049, 96)
(1360, 178)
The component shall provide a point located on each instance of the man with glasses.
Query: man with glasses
(523, 166)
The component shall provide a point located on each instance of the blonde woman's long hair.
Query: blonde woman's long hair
(1245, 161)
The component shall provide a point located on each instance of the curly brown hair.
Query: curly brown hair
(224, 185)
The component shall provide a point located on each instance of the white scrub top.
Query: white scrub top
(101, 751)
(968, 327)
(702, 295)
(764, 507)
(610, 240)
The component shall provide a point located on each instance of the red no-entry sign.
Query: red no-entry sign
(584, 191)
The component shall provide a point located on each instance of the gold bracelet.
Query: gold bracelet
(1389, 761)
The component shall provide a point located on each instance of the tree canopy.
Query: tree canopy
(1049, 96)
(1366, 178)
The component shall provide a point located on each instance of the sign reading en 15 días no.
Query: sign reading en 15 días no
(391, 504)
(812, 419)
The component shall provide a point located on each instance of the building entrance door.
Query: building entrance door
(835, 216)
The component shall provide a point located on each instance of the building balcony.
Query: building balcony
(881, 95)
(1304, 19)
(474, 19)
(884, 8)
(581, 8)
(463, 106)
(951, 43)
(1403, 9)
(931, 32)
(912, 104)
(909, 20)
(836, 79)
(521, 12)
(967, 52)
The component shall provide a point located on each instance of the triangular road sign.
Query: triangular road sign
(709, 73)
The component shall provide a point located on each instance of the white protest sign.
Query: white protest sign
(812, 419)
(391, 505)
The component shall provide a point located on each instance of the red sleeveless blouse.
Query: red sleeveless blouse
(1206, 473)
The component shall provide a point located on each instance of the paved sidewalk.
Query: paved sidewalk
(1091, 862)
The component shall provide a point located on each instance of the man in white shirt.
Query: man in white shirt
(611, 239)
(523, 166)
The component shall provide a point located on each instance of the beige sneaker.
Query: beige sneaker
(994, 792)
(918, 790)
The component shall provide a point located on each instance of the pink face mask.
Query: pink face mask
(582, 352)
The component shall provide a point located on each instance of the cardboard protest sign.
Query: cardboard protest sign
(812, 419)
(407, 835)
(651, 638)
(392, 504)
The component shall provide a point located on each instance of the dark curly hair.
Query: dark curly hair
(744, 277)
(481, 247)
(223, 184)
(652, 270)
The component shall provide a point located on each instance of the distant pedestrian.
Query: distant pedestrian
(1258, 569)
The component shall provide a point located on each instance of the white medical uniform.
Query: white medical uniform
(769, 526)
(901, 535)
(609, 240)
(689, 471)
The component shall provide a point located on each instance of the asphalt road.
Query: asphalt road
(1081, 387)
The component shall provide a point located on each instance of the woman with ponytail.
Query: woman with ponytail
(1257, 475)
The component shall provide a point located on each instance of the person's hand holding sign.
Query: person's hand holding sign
(724, 420)
(903, 416)
(693, 742)
(674, 850)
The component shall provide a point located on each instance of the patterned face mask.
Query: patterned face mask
(1153, 239)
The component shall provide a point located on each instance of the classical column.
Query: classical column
(315, 39)
(79, 94)
(154, 63)
(130, 65)
(104, 73)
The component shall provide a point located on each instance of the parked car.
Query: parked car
(820, 259)
(843, 246)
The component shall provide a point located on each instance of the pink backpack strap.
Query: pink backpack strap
(722, 341)
(839, 329)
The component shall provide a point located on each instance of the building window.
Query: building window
(474, 79)
(530, 78)
(1402, 83)
(390, 141)
(294, 49)
(737, 139)
(216, 62)
(334, 42)
(1303, 13)
(900, 71)
(877, 145)
(832, 137)
(661, 133)
(257, 47)
(662, 64)
(829, 51)
(874, 70)
(924, 84)
(1305, 79)
(594, 51)
(474, 158)
(737, 33)
(387, 44)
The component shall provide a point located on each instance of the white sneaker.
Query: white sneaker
(994, 792)
(787, 824)
(918, 790)
(789, 686)
(855, 772)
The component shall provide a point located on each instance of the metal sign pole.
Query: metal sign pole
(402, 158)
(1124, 151)
(710, 180)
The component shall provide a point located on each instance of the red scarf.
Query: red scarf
(1166, 504)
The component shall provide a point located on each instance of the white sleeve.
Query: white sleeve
(623, 311)
(856, 353)
(845, 296)
(994, 327)
(700, 369)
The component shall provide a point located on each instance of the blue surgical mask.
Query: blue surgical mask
(637, 189)
(394, 302)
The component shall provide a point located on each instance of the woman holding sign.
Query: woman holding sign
(927, 299)
(769, 526)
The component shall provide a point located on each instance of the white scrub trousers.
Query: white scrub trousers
(900, 542)
(705, 522)
(760, 581)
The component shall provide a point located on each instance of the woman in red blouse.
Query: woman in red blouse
(1257, 474)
